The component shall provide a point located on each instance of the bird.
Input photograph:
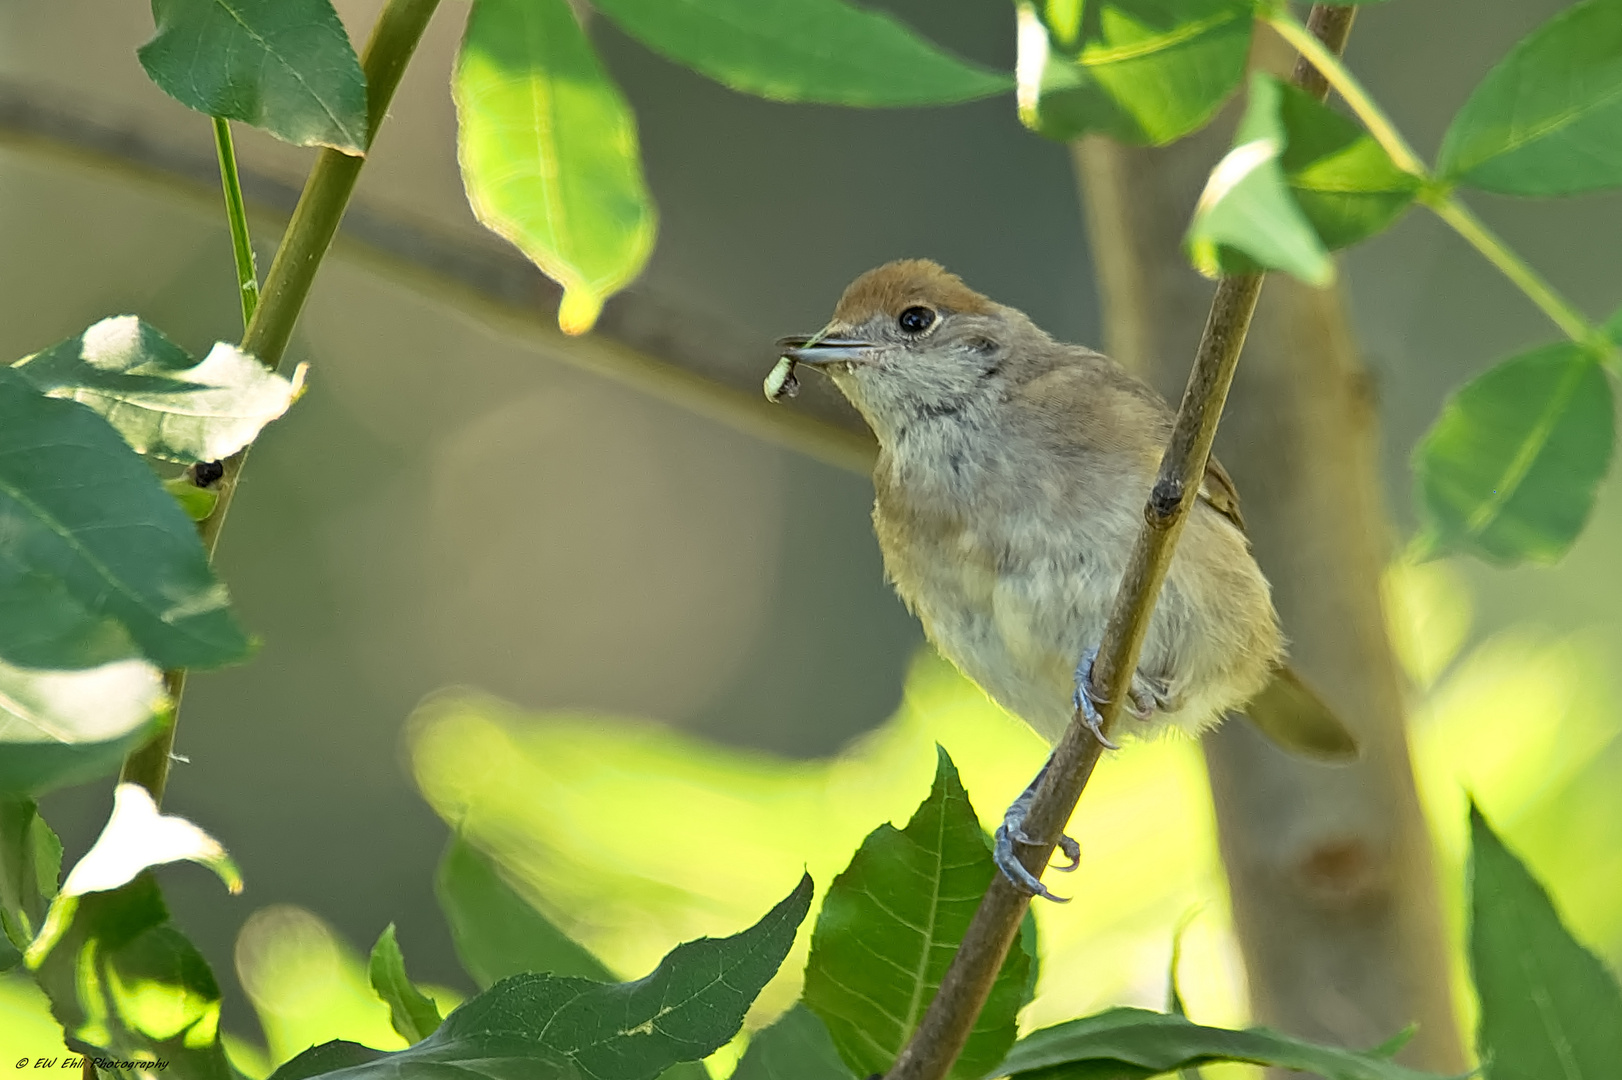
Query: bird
(1009, 489)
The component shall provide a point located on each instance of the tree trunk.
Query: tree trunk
(1329, 868)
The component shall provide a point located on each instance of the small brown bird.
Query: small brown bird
(1011, 480)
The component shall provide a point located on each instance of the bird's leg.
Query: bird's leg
(1012, 831)
(1148, 696)
(1085, 699)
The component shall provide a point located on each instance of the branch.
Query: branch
(946, 1024)
(309, 234)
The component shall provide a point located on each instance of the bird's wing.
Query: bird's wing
(1219, 494)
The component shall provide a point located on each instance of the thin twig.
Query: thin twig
(940, 1036)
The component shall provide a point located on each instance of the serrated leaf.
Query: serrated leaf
(549, 151)
(413, 1013)
(1510, 468)
(66, 727)
(795, 1047)
(496, 931)
(1547, 119)
(125, 981)
(1246, 218)
(88, 533)
(823, 51)
(1343, 181)
(890, 925)
(1129, 1044)
(162, 401)
(30, 861)
(1549, 1007)
(285, 66)
(551, 1025)
(1146, 72)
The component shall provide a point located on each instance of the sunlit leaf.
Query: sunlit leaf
(1146, 72)
(1133, 1044)
(891, 923)
(549, 151)
(795, 1047)
(1547, 120)
(1510, 469)
(137, 837)
(88, 535)
(824, 51)
(413, 1013)
(161, 400)
(551, 1025)
(1549, 1008)
(30, 860)
(282, 65)
(198, 502)
(1246, 218)
(65, 727)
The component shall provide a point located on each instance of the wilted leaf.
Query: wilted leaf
(891, 923)
(282, 65)
(549, 151)
(162, 401)
(66, 727)
(413, 1013)
(1510, 468)
(795, 1047)
(1547, 120)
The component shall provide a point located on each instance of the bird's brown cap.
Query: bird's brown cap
(896, 286)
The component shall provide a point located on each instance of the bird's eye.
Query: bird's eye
(916, 319)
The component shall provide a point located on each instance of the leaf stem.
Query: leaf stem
(237, 215)
(315, 221)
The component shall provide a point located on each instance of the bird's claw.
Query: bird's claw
(1012, 831)
(1086, 701)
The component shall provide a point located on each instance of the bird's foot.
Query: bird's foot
(1012, 831)
(1086, 699)
(1148, 696)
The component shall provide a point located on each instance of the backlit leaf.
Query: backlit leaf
(65, 727)
(413, 1013)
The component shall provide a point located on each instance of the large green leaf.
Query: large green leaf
(413, 1013)
(161, 400)
(1143, 71)
(890, 925)
(282, 65)
(30, 862)
(549, 151)
(66, 727)
(1343, 181)
(88, 536)
(1547, 120)
(1510, 468)
(1246, 218)
(550, 1025)
(1132, 1044)
(795, 1047)
(823, 51)
(127, 982)
(1549, 1008)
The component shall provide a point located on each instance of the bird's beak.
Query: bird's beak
(822, 351)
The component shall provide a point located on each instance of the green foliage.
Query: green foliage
(65, 727)
(550, 1025)
(160, 399)
(1133, 1044)
(823, 51)
(890, 925)
(1146, 72)
(549, 151)
(796, 1047)
(1246, 217)
(413, 1013)
(282, 65)
(1509, 471)
(1549, 1008)
(1547, 120)
(30, 862)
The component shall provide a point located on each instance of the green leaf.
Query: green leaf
(91, 538)
(282, 65)
(413, 1013)
(128, 983)
(1146, 72)
(890, 925)
(1127, 1044)
(198, 503)
(1510, 468)
(549, 151)
(329, 1057)
(550, 1025)
(1547, 120)
(496, 931)
(795, 1047)
(1549, 1008)
(65, 727)
(30, 861)
(823, 51)
(1343, 181)
(1245, 218)
(161, 400)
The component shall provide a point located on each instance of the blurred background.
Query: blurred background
(662, 671)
